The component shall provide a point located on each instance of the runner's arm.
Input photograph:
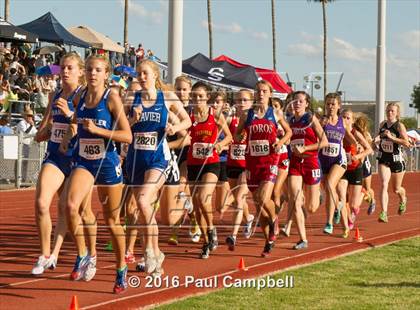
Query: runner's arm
(221, 122)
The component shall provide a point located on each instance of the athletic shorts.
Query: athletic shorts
(172, 173)
(137, 170)
(223, 172)
(326, 165)
(284, 161)
(354, 177)
(196, 172)
(64, 163)
(367, 168)
(107, 172)
(308, 168)
(395, 166)
(261, 174)
(234, 172)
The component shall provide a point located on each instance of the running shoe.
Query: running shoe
(328, 229)
(383, 217)
(79, 267)
(353, 216)
(141, 265)
(231, 242)
(372, 207)
(187, 204)
(159, 261)
(248, 227)
(44, 263)
(346, 233)
(284, 231)
(271, 232)
(213, 243)
(173, 240)
(129, 257)
(195, 231)
(268, 247)
(90, 269)
(205, 251)
(337, 213)
(109, 247)
(350, 224)
(403, 207)
(150, 261)
(121, 285)
(301, 245)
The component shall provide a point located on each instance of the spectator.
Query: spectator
(4, 92)
(43, 88)
(132, 55)
(139, 53)
(11, 96)
(26, 127)
(4, 126)
(40, 62)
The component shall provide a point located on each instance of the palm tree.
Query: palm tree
(273, 28)
(324, 18)
(6, 10)
(125, 22)
(210, 29)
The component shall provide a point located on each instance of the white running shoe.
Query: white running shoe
(90, 268)
(159, 261)
(248, 227)
(44, 263)
(150, 261)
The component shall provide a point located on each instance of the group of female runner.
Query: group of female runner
(179, 144)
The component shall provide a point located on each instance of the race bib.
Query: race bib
(297, 142)
(237, 151)
(202, 150)
(348, 155)
(397, 157)
(332, 150)
(387, 146)
(92, 149)
(58, 131)
(146, 141)
(316, 173)
(367, 164)
(259, 147)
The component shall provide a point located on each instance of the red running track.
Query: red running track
(54, 290)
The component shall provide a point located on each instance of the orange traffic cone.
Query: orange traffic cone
(357, 235)
(241, 265)
(74, 303)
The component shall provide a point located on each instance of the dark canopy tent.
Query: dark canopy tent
(220, 72)
(49, 29)
(11, 33)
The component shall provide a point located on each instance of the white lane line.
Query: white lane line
(249, 267)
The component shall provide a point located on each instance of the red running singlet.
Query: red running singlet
(203, 137)
(236, 156)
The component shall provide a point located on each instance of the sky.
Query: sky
(242, 30)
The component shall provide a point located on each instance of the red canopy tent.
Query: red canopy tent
(266, 74)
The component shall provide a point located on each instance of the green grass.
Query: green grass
(381, 278)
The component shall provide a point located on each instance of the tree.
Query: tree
(324, 19)
(6, 10)
(409, 122)
(125, 23)
(273, 30)
(415, 97)
(210, 29)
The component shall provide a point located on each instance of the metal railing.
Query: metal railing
(24, 169)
